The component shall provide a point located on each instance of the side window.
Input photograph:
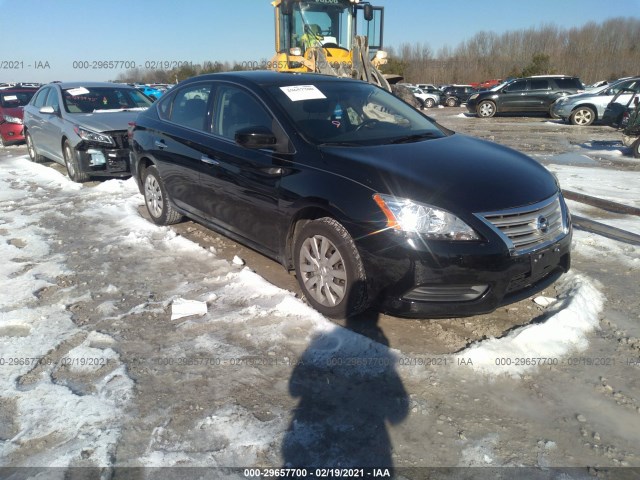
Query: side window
(39, 99)
(568, 83)
(190, 106)
(237, 109)
(52, 100)
(164, 106)
(539, 85)
(517, 86)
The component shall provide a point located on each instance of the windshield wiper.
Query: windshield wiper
(413, 138)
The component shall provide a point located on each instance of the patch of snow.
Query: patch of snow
(575, 316)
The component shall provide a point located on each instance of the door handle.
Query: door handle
(209, 161)
(160, 144)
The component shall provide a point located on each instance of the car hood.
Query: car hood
(17, 112)
(458, 173)
(105, 121)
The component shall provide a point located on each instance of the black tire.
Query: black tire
(429, 103)
(156, 198)
(33, 153)
(582, 116)
(553, 115)
(486, 109)
(73, 165)
(636, 148)
(329, 269)
(451, 102)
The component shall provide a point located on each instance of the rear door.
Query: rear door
(539, 95)
(181, 144)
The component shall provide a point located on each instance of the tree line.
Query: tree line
(593, 52)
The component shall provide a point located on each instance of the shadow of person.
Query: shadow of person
(349, 389)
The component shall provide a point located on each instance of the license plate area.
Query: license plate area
(544, 261)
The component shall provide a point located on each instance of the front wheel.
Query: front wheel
(582, 116)
(157, 199)
(486, 109)
(73, 166)
(451, 102)
(329, 269)
(429, 103)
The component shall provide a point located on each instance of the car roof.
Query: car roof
(18, 89)
(66, 85)
(267, 77)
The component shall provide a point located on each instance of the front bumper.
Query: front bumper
(562, 110)
(12, 133)
(454, 279)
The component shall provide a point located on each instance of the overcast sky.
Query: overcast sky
(41, 39)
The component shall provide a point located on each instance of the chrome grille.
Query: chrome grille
(527, 228)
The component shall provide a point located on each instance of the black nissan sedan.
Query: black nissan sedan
(371, 202)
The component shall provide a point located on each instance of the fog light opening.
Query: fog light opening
(446, 293)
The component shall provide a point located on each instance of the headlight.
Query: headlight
(473, 97)
(10, 119)
(434, 223)
(91, 136)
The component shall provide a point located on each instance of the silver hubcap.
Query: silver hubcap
(323, 270)
(153, 196)
(68, 160)
(486, 110)
(583, 117)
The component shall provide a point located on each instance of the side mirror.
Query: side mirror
(256, 138)
(368, 12)
(49, 110)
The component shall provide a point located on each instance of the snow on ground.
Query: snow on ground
(86, 419)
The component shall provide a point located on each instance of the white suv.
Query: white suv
(585, 108)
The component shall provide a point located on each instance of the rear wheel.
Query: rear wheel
(73, 165)
(157, 199)
(582, 116)
(486, 109)
(329, 269)
(451, 102)
(33, 154)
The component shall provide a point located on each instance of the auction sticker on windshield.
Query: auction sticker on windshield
(302, 92)
(74, 92)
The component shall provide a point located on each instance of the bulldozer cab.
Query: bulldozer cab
(302, 24)
(334, 37)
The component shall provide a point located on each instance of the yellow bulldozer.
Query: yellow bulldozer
(334, 37)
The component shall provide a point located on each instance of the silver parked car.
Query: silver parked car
(83, 126)
(585, 108)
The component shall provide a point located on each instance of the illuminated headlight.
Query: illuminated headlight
(91, 136)
(295, 51)
(473, 97)
(10, 119)
(413, 217)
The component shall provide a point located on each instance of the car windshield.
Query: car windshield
(15, 99)
(352, 113)
(99, 99)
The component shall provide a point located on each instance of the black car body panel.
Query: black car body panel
(258, 196)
